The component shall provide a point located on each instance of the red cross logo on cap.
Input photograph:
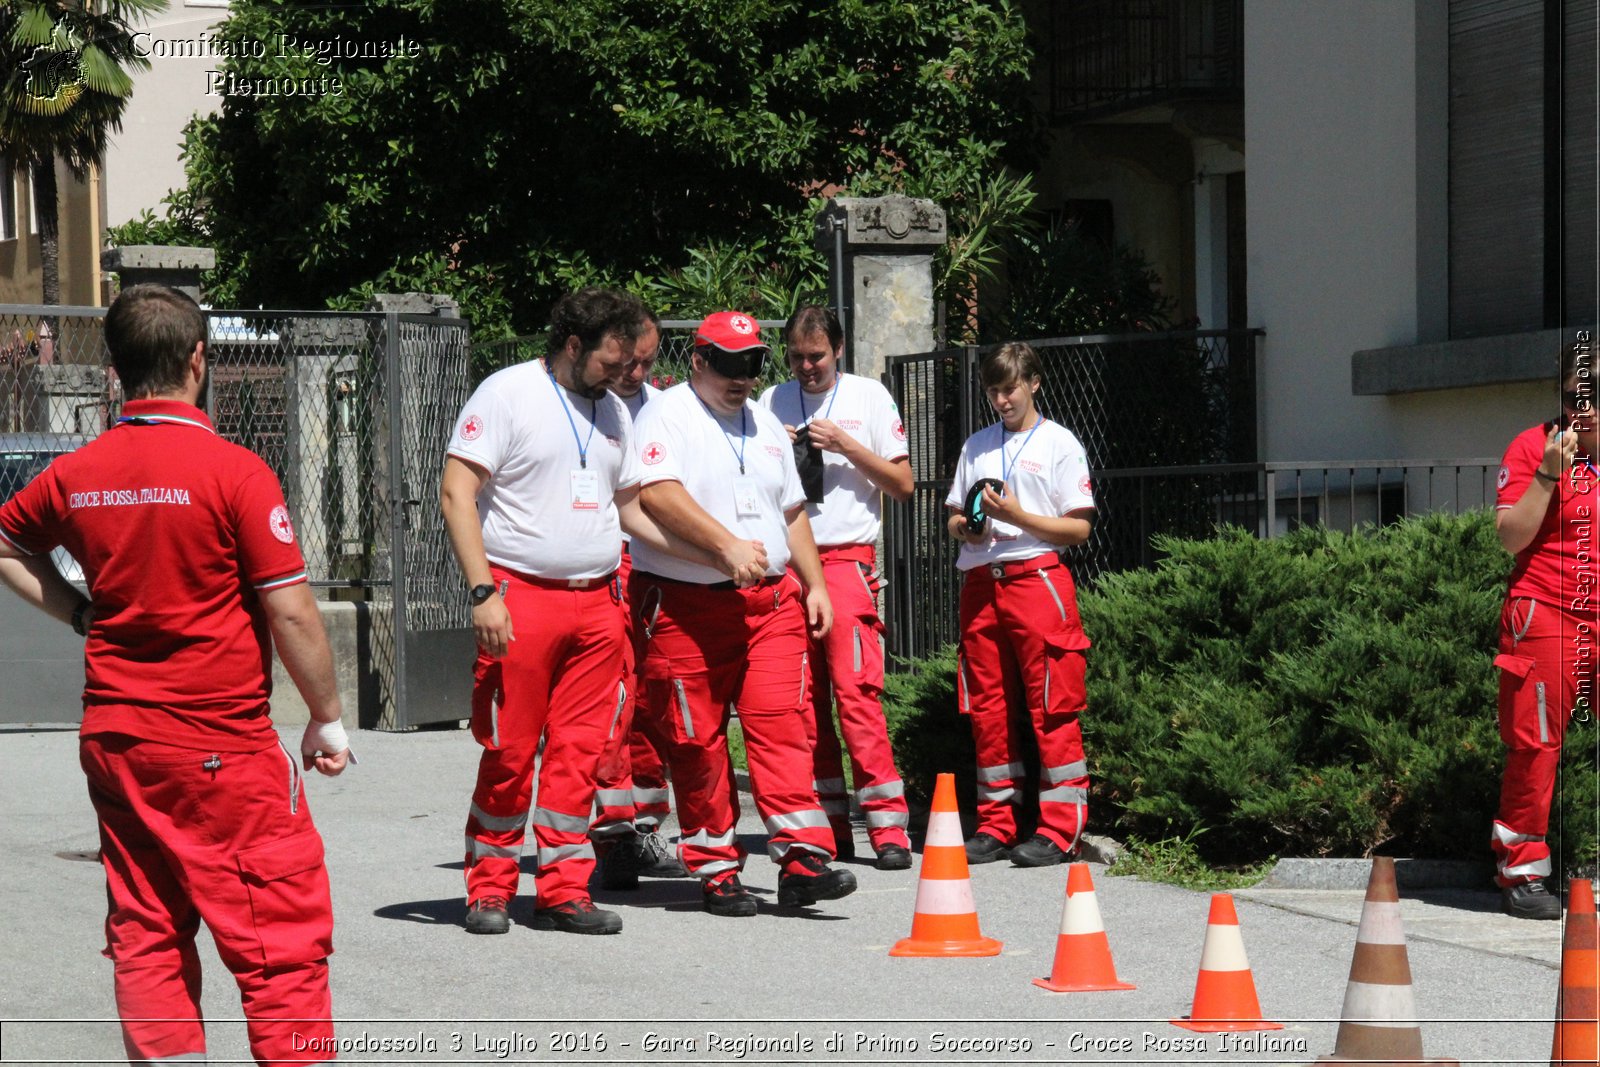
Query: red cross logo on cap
(741, 323)
(653, 453)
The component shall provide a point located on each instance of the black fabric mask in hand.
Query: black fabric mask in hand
(808, 461)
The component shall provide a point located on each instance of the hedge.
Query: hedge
(1319, 694)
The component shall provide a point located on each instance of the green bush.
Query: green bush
(1316, 694)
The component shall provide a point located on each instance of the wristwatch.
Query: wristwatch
(480, 593)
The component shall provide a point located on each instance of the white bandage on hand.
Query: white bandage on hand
(327, 738)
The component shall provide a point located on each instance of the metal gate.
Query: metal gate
(352, 412)
(1135, 401)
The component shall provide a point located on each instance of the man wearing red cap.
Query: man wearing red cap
(191, 561)
(719, 472)
(853, 428)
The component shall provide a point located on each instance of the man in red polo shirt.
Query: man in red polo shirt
(190, 560)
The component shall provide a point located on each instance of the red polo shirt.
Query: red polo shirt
(1559, 566)
(177, 531)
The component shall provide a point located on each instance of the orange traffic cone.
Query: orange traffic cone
(1083, 955)
(1378, 1025)
(1577, 1038)
(946, 919)
(1225, 993)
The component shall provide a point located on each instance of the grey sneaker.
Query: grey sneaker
(1530, 900)
(658, 858)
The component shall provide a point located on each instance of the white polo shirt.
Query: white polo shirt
(680, 439)
(1046, 468)
(851, 512)
(544, 512)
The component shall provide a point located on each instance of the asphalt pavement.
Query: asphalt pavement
(679, 986)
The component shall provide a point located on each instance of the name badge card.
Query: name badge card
(585, 490)
(746, 498)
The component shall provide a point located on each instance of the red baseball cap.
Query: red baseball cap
(731, 331)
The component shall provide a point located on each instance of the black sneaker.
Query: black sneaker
(1039, 851)
(619, 861)
(985, 848)
(815, 881)
(578, 916)
(893, 858)
(1530, 900)
(728, 896)
(488, 915)
(658, 858)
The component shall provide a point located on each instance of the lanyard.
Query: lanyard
(832, 396)
(738, 453)
(1005, 467)
(583, 446)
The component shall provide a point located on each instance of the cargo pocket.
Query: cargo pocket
(1523, 707)
(1064, 665)
(290, 907)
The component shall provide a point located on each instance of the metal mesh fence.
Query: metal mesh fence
(350, 411)
(1134, 401)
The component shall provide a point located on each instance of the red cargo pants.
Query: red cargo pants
(188, 835)
(560, 680)
(707, 648)
(847, 666)
(1021, 638)
(1546, 661)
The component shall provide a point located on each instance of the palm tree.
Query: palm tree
(64, 82)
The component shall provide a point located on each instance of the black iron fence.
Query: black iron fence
(1106, 55)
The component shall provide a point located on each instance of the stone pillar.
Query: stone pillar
(179, 266)
(887, 245)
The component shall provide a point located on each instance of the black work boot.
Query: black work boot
(1530, 900)
(728, 896)
(808, 879)
(618, 862)
(985, 848)
(578, 916)
(1039, 851)
(894, 858)
(488, 915)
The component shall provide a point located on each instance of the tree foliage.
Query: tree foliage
(64, 83)
(525, 146)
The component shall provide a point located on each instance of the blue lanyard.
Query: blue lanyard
(583, 446)
(738, 453)
(832, 396)
(1005, 467)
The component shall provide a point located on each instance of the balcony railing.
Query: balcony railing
(1112, 55)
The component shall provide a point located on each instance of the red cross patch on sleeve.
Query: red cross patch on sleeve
(653, 453)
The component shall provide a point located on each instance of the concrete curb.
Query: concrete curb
(1353, 874)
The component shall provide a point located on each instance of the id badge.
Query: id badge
(585, 490)
(746, 498)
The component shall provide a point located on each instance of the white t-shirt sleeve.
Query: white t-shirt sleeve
(631, 471)
(485, 430)
(661, 446)
(888, 432)
(1071, 485)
